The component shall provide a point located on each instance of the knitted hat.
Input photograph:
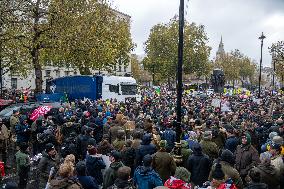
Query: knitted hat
(248, 137)
(207, 135)
(277, 140)
(182, 174)
(163, 144)
(147, 160)
(116, 155)
(227, 156)
(272, 135)
(218, 174)
(265, 157)
(49, 147)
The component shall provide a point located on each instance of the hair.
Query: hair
(128, 143)
(66, 170)
(123, 173)
(254, 175)
(69, 159)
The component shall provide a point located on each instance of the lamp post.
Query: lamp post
(179, 70)
(273, 76)
(262, 37)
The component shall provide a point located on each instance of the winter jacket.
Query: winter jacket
(128, 157)
(230, 172)
(146, 178)
(231, 143)
(88, 182)
(65, 183)
(118, 144)
(199, 166)
(246, 157)
(170, 136)
(110, 174)
(145, 148)
(164, 165)
(14, 120)
(278, 163)
(23, 163)
(94, 165)
(136, 143)
(209, 148)
(44, 167)
(82, 144)
(269, 175)
(22, 132)
(121, 184)
(257, 186)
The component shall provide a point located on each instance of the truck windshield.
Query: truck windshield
(129, 89)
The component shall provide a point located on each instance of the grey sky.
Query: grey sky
(240, 22)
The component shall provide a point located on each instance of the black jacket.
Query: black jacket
(145, 148)
(94, 166)
(199, 165)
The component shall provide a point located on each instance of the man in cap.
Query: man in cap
(47, 161)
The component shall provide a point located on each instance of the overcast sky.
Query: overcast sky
(240, 22)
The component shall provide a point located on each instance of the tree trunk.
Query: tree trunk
(38, 70)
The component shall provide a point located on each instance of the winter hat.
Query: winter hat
(272, 135)
(265, 157)
(147, 160)
(116, 155)
(182, 174)
(277, 140)
(248, 137)
(227, 156)
(218, 174)
(49, 147)
(23, 146)
(163, 144)
(207, 135)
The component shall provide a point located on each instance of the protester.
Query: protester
(23, 165)
(123, 179)
(111, 173)
(87, 182)
(145, 176)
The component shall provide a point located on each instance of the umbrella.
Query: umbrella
(40, 111)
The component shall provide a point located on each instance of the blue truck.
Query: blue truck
(95, 87)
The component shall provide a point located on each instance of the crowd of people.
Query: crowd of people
(114, 145)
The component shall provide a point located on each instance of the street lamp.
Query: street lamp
(273, 76)
(179, 70)
(262, 37)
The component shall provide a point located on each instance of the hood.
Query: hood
(268, 169)
(197, 150)
(116, 165)
(146, 139)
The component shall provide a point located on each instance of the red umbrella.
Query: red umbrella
(40, 111)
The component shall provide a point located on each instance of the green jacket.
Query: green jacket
(110, 174)
(22, 161)
(209, 148)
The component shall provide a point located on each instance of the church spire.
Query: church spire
(221, 48)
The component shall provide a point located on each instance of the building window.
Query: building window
(57, 73)
(47, 73)
(66, 73)
(14, 83)
(113, 88)
(119, 67)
